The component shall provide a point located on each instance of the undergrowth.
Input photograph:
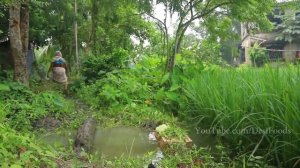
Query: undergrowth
(213, 98)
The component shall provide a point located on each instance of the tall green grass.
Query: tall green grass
(241, 100)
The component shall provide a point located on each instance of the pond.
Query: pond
(109, 142)
(123, 141)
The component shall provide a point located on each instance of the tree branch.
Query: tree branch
(191, 7)
(159, 21)
(202, 14)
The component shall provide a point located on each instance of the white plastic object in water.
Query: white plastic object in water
(158, 157)
(151, 136)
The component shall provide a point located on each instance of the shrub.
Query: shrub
(258, 55)
(18, 150)
(23, 106)
(95, 67)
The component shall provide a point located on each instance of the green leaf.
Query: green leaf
(165, 78)
(172, 96)
(4, 87)
(174, 87)
(58, 102)
(15, 166)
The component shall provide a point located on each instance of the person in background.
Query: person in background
(59, 70)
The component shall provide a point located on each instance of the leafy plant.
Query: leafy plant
(18, 150)
(23, 106)
(95, 67)
(258, 55)
(174, 132)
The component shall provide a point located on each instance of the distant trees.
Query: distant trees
(104, 27)
(289, 26)
(207, 11)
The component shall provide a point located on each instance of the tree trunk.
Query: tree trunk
(76, 36)
(93, 36)
(175, 48)
(171, 59)
(18, 28)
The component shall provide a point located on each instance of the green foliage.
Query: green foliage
(194, 157)
(289, 29)
(262, 104)
(210, 52)
(288, 21)
(109, 23)
(95, 67)
(123, 87)
(216, 16)
(258, 55)
(140, 85)
(198, 93)
(133, 95)
(23, 107)
(18, 150)
(174, 132)
(127, 162)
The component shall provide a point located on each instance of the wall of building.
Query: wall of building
(290, 55)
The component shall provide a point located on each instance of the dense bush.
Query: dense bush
(122, 87)
(96, 66)
(131, 96)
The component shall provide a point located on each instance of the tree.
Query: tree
(189, 11)
(18, 29)
(289, 28)
(104, 26)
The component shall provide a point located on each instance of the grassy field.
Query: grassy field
(254, 110)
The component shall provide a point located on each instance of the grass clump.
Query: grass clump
(259, 108)
(23, 107)
(21, 150)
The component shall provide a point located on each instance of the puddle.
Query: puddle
(122, 141)
(109, 142)
(58, 139)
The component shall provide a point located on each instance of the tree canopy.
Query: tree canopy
(209, 13)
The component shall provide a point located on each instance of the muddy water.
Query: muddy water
(109, 142)
(122, 141)
(58, 139)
